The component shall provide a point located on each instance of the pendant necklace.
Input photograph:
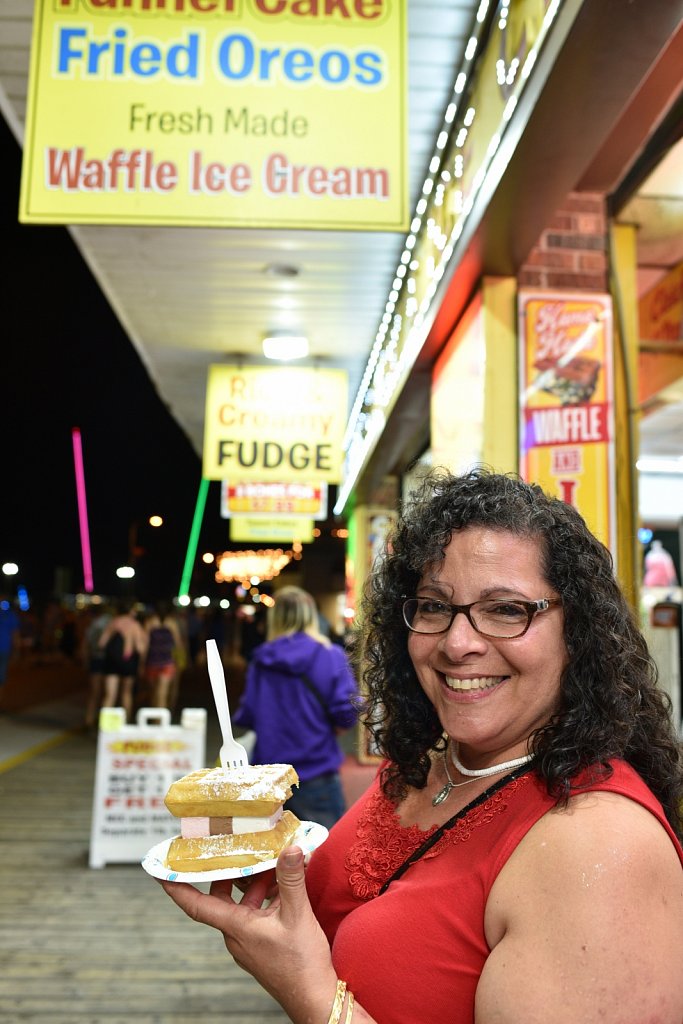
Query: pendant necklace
(473, 773)
(444, 793)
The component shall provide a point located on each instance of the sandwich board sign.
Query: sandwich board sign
(136, 764)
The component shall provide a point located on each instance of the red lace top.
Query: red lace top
(414, 954)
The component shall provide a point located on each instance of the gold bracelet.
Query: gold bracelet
(338, 1004)
(349, 1009)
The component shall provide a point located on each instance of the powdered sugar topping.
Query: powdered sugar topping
(253, 781)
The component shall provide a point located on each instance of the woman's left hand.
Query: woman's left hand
(281, 944)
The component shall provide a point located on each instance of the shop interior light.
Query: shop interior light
(658, 464)
(243, 565)
(284, 347)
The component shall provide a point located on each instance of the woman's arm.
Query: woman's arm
(140, 640)
(281, 944)
(106, 634)
(585, 921)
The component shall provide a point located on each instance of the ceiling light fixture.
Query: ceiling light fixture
(659, 464)
(281, 270)
(284, 347)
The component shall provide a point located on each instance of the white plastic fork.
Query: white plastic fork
(232, 754)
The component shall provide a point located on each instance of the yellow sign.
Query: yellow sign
(274, 423)
(272, 113)
(255, 498)
(567, 402)
(283, 528)
(458, 393)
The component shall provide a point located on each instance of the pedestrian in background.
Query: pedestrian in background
(299, 693)
(94, 660)
(124, 643)
(9, 635)
(161, 667)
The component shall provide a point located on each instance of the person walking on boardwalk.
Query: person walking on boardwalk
(299, 694)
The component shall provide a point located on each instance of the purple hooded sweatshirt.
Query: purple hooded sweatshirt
(291, 726)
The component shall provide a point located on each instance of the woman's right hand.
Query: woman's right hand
(280, 942)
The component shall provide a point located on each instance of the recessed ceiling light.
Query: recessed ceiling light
(285, 347)
(281, 270)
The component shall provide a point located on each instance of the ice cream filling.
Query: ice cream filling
(197, 828)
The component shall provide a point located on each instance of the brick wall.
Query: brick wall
(572, 250)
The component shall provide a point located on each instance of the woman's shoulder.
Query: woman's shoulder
(328, 649)
(329, 658)
(581, 889)
(599, 826)
(598, 830)
(612, 809)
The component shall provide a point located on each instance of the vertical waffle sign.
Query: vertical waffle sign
(256, 113)
(567, 402)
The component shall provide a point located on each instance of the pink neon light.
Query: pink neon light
(82, 511)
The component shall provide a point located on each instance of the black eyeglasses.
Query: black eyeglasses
(498, 618)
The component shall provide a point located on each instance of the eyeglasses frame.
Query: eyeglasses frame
(532, 609)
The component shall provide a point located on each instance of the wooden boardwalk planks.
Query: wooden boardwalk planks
(83, 946)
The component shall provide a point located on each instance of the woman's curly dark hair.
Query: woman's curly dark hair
(610, 706)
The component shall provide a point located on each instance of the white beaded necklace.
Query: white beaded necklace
(482, 773)
(474, 773)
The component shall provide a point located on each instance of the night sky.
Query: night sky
(65, 361)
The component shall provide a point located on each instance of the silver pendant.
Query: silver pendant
(443, 794)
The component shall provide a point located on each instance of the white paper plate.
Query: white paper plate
(309, 836)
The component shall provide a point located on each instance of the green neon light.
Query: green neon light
(194, 538)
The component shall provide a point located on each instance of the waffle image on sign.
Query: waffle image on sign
(572, 383)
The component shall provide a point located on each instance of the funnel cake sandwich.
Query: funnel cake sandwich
(231, 817)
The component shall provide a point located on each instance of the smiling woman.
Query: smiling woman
(524, 831)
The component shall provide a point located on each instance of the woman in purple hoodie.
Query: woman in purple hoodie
(299, 694)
